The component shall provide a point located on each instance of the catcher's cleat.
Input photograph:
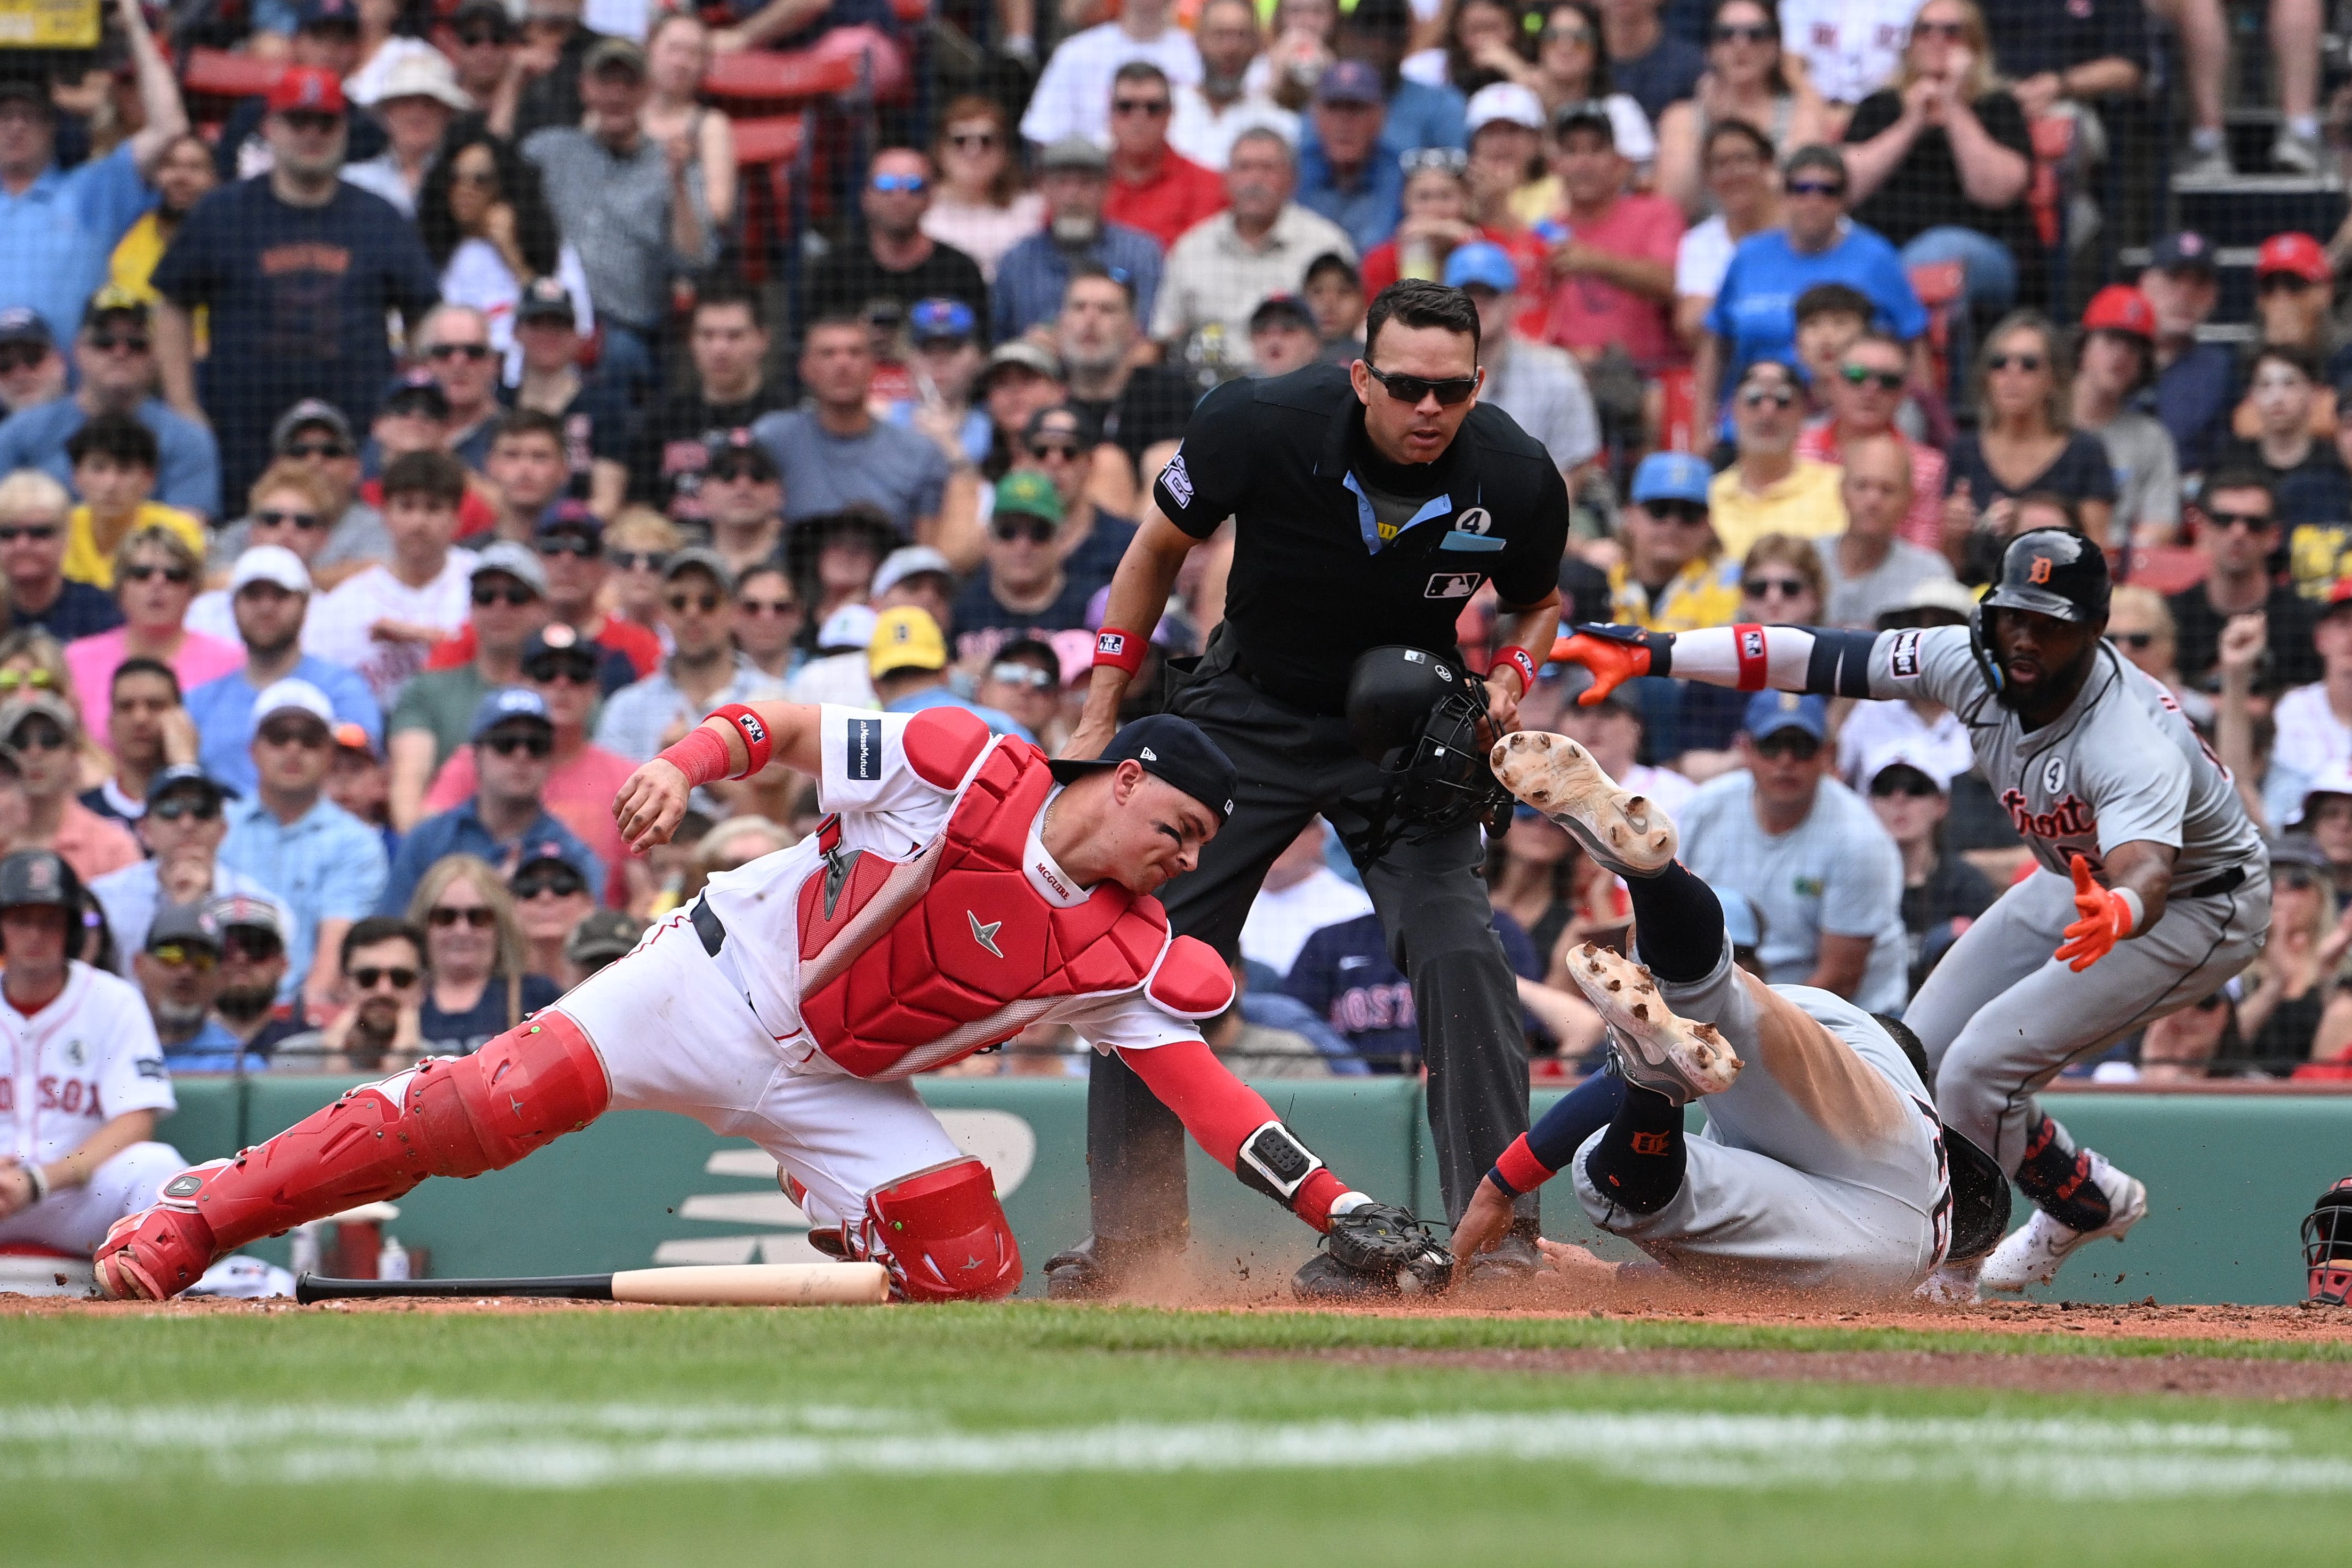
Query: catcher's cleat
(1672, 1055)
(154, 1255)
(1630, 834)
(2034, 1251)
(1374, 1251)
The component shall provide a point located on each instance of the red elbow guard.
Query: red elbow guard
(700, 754)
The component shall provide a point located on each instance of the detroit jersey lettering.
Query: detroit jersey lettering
(2122, 762)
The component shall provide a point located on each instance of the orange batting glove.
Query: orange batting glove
(1612, 660)
(2108, 916)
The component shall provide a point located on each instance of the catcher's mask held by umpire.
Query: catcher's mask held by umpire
(2049, 571)
(1416, 715)
(42, 877)
(2327, 1247)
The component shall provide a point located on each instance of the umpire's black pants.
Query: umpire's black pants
(1431, 903)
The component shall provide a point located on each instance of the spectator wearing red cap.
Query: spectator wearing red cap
(2117, 359)
(1152, 187)
(2294, 288)
(299, 271)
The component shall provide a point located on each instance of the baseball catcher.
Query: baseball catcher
(2153, 888)
(2327, 1247)
(1823, 1163)
(962, 889)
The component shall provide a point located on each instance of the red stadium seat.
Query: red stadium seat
(776, 141)
(755, 75)
(217, 73)
(1679, 426)
(910, 12)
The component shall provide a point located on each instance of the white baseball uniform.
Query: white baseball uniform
(88, 1056)
(719, 1037)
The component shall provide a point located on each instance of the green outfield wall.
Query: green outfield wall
(2230, 1177)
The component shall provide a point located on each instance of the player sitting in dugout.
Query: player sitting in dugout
(963, 888)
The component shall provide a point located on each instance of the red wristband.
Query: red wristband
(700, 754)
(1120, 650)
(1748, 645)
(756, 739)
(1519, 1169)
(1514, 657)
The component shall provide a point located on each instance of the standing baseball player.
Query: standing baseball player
(1822, 1164)
(2153, 888)
(1370, 504)
(963, 888)
(81, 1075)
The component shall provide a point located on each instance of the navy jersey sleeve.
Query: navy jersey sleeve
(1203, 482)
(1529, 570)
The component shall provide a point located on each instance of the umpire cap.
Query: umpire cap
(2052, 572)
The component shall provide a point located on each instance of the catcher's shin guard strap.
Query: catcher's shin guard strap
(2057, 1176)
(1640, 1159)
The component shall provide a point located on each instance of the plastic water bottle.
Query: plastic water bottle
(392, 1261)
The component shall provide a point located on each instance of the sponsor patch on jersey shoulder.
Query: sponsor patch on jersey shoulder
(149, 1066)
(1903, 659)
(864, 759)
(1450, 585)
(1178, 478)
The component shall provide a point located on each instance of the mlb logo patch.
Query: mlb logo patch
(1451, 586)
(1751, 643)
(1111, 644)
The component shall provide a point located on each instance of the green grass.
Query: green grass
(846, 1437)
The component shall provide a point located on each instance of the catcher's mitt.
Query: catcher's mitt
(1381, 1242)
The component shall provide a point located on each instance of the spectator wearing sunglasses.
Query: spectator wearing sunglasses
(114, 371)
(907, 662)
(151, 731)
(582, 778)
(477, 985)
(179, 973)
(1823, 874)
(767, 618)
(1073, 97)
(434, 713)
(42, 730)
(896, 260)
(383, 621)
(703, 672)
(114, 459)
(181, 830)
(1153, 187)
(289, 510)
(568, 541)
(1074, 174)
(1022, 587)
(315, 439)
(269, 595)
(2140, 629)
(2237, 532)
(1675, 575)
(744, 499)
(1869, 569)
(506, 821)
(637, 547)
(1769, 488)
(252, 971)
(324, 865)
(552, 902)
(1863, 394)
(1060, 442)
(980, 207)
(382, 986)
(1024, 680)
(33, 509)
(155, 578)
(2023, 445)
(32, 371)
(1910, 795)
(454, 343)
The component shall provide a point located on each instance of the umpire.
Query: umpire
(1369, 503)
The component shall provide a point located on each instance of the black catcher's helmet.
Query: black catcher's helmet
(1415, 714)
(42, 877)
(2052, 572)
(2327, 1247)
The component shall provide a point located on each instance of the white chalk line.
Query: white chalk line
(559, 1446)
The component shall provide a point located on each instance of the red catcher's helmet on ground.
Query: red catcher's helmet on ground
(2327, 1247)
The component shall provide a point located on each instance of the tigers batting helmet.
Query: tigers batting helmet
(41, 877)
(2049, 572)
(2327, 1247)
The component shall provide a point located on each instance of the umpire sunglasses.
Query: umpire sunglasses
(1413, 388)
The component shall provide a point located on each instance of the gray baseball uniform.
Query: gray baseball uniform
(2001, 1016)
(1771, 1195)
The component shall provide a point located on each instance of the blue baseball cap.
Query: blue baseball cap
(1770, 712)
(941, 321)
(1483, 262)
(1349, 82)
(568, 513)
(1672, 476)
(507, 702)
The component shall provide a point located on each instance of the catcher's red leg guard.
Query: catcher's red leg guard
(447, 1116)
(944, 1235)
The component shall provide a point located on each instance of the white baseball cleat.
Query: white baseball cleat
(1630, 834)
(1679, 1059)
(2032, 1253)
(1952, 1284)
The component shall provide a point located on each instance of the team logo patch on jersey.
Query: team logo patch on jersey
(1477, 520)
(1450, 585)
(985, 934)
(1902, 658)
(149, 1068)
(865, 757)
(2053, 775)
(1178, 479)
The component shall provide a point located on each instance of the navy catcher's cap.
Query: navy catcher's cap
(1168, 748)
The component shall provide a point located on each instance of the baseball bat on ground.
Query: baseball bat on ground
(699, 1285)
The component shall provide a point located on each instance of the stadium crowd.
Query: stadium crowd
(399, 456)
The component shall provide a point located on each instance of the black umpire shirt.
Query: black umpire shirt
(1318, 577)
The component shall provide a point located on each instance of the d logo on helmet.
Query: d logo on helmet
(2040, 572)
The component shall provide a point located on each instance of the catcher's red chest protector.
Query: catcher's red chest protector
(906, 965)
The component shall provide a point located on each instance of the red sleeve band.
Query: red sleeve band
(1120, 650)
(1748, 645)
(756, 739)
(1518, 658)
(700, 754)
(1520, 1171)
